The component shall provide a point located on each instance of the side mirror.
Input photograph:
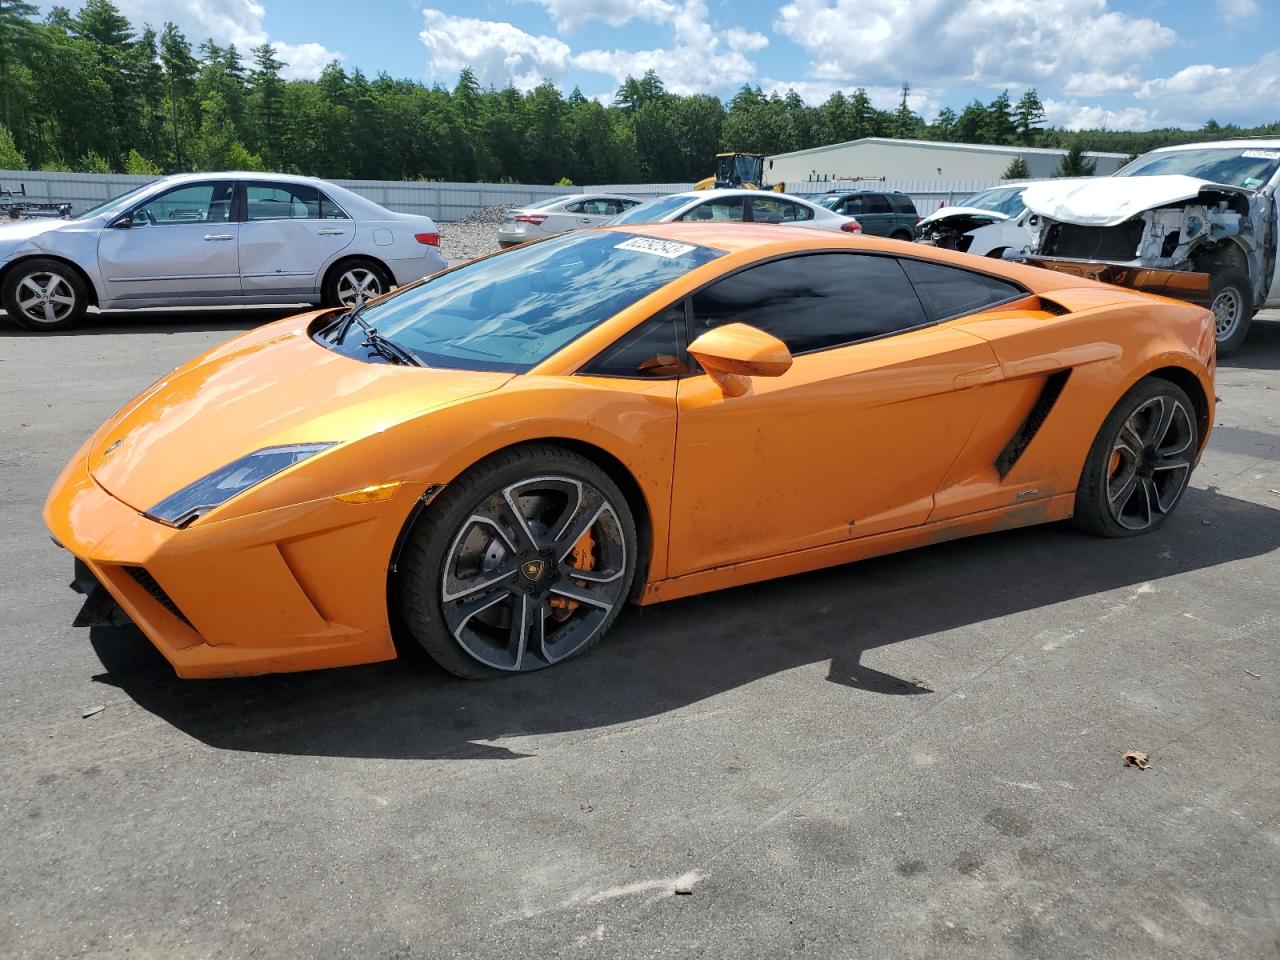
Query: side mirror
(122, 223)
(736, 352)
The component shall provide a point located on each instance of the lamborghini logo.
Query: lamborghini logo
(533, 569)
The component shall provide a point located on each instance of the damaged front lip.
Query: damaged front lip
(1110, 201)
(946, 212)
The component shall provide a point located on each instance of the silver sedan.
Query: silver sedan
(212, 239)
(560, 214)
(747, 206)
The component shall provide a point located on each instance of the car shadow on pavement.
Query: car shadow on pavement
(232, 320)
(667, 656)
(1261, 348)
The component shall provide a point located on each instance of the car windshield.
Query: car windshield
(651, 212)
(828, 200)
(1236, 166)
(512, 311)
(115, 204)
(1001, 200)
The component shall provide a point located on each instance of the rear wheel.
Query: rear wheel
(1140, 462)
(901, 235)
(524, 561)
(1232, 305)
(352, 282)
(44, 295)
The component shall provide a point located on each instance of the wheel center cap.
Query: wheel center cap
(534, 570)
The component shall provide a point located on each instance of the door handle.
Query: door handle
(584, 219)
(218, 236)
(332, 233)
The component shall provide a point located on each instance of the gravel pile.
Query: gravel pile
(473, 235)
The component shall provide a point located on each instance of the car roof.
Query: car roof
(1244, 143)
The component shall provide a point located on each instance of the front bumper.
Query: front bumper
(297, 588)
(1177, 284)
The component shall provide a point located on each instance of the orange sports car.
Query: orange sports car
(494, 460)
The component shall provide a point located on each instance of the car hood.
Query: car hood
(946, 212)
(269, 387)
(26, 229)
(1107, 201)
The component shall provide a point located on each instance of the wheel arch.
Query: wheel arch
(345, 257)
(1193, 388)
(90, 287)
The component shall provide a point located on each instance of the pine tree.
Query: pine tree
(11, 157)
(1000, 124)
(266, 94)
(1017, 169)
(1074, 163)
(17, 36)
(1028, 116)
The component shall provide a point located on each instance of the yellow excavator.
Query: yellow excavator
(744, 171)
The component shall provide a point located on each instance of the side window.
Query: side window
(773, 210)
(579, 207)
(651, 351)
(282, 201)
(628, 204)
(722, 208)
(330, 210)
(875, 203)
(609, 207)
(902, 204)
(193, 203)
(814, 302)
(852, 206)
(951, 292)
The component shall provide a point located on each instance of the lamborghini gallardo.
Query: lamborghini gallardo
(493, 461)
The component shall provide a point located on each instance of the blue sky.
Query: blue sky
(1126, 63)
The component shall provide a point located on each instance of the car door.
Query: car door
(852, 441)
(876, 217)
(717, 209)
(290, 232)
(777, 210)
(180, 246)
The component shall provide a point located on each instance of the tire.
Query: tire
(901, 235)
(1232, 305)
(43, 295)
(1140, 463)
(346, 277)
(468, 568)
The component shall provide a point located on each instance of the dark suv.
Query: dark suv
(881, 214)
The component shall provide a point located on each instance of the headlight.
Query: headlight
(214, 489)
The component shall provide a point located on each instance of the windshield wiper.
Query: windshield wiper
(383, 345)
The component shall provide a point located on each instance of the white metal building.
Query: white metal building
(919, 160)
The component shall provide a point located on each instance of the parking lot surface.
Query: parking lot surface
(914, 756)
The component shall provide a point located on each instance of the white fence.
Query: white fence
(447, 202)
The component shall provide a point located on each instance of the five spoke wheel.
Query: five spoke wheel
(358, 284)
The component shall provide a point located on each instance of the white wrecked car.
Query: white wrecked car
(986, 224)
(1198, 222)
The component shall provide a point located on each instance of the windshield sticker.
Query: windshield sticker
(1262, 154)
(668, 249)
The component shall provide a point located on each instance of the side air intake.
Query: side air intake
(1025, 433)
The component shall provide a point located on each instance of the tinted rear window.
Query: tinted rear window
(951, 291)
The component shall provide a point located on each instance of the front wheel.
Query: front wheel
(1140, 462)
(1232, 309)
(44, 295)
(524, 561)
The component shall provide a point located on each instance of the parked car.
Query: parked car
(549, 217)
(503, 456)
(212, 239)
(990, 223)
(746, 206)
(1197, 221)
(882, 214)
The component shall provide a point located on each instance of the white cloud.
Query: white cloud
(1237, 9)
(923, 101)
(568, 14)
(1098, 84)
(1245, 94)
(996, 42)
(698, 60)
(499, 53)
(230, 21)
(1073, 115)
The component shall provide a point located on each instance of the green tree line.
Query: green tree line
(90, 91)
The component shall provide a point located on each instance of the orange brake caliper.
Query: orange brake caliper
(584, 558)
